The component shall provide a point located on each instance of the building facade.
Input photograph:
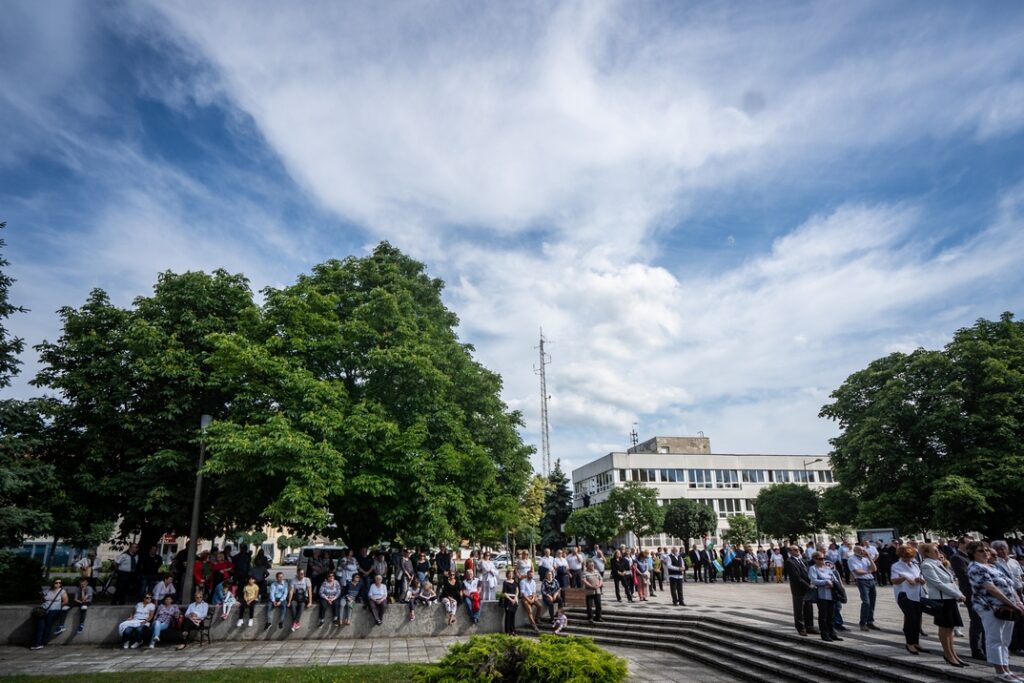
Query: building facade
(685, 467)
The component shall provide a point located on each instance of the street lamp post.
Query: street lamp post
(187, 596)
(810, 462)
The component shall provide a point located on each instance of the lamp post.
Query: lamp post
(187, 596)
(810, 462)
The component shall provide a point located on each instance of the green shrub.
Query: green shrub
(498, 657)
(20, 578)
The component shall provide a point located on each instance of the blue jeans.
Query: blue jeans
(44, 626)
(282, 609)
(867, 601)
(837, 615)
(159, 626)
(474, 615)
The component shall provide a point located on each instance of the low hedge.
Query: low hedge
(551, 659)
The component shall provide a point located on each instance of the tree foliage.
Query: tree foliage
(925, 431)
(787, 510)
(742, 530)
(525, 528)
(838, 506)
(636, 508)
(688, 519)
(596, 523)
(345, 405)
(557, 507)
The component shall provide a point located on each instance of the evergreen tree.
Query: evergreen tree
(557, 507)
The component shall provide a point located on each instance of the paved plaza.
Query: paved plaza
(742, 603)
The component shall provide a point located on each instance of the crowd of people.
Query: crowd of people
(927, 578)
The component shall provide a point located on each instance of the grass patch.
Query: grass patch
(351, 673)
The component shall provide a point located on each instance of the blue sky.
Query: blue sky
(716, 211)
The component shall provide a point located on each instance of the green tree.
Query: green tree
(525, 529)
(838, 506)
(355, 405)
(910, 422)
(596, 523)
(742, 530)
(636, 508)
(26, 480)
(557, 507)
(785, 511)
(688, 519)
(132, 386)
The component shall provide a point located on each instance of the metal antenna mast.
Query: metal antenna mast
(545, 427)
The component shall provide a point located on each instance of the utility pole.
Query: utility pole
(545, 427)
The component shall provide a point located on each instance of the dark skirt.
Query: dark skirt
(948, 615)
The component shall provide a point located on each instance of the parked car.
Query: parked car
(291, 559)
(501, 561)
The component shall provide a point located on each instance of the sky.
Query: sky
(715, 211)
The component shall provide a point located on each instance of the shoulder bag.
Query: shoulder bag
(40, 613)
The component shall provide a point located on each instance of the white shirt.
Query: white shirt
(144, 612)
(378, 591)
(910, 587)
(471, 585)
(547, 562)
(858, 563)
(160, 590)
(124, 562)
(198, 610)
(526, 588)
(561, 562)
(575, 563)
(872, 551)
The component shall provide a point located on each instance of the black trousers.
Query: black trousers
(698, 573)
(626, 582)
(657, 578)
(975, 633)
(803, 611)
(826, 617)
(510, 616)
(911, 618)
(675, 585)
(552, 604)
(124, 587)
(594, 606)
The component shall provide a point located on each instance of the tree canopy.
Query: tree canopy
(935, 439)
(557, 507)
(345, 405)
(742, 530)
(636, 508)
(785, 511)
(687, 519)
(596, 523)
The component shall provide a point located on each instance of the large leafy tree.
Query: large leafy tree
(688, 519)
(785, 511)
(557, 507)
(935, 439)
(132, 385)
(26, 480)
(357, 409)
(636, 507)
(525, 529)
(742, 530)
(596, 523)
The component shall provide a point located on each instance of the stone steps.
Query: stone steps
(799, 657)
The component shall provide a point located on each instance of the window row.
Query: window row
(700, 478)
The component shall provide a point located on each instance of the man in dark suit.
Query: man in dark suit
(708, 557)
(959, 562)
(799, 584)
(698, 566)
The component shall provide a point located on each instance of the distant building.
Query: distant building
(685, 467)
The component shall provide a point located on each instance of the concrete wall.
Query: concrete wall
(17, 627)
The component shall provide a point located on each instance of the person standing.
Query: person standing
(822, 579)
(404, 574)
(959, 563)
(599, 561)
(489, 578)
(443, 558)
(127, 565)
(510, 601)
(799, 585)
(941, 585)
(778, 563)
(89, 568)
(575, 562)
(676, 572)
(622, 572)
(592, 586)
(696, 560)
(1010, 567)
(907, 582)
(863, 570)
(996, 604)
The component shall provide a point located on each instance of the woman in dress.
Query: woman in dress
(992, 592)
(561, 569)
(133, 631)
(942, 586)
(510, 601)
(523, 565)
(489, 577)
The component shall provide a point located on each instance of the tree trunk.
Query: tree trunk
(49, 558)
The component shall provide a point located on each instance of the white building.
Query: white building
(685, 467)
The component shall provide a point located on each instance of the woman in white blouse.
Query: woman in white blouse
(489, 578)
(942, 586)
(906, 583)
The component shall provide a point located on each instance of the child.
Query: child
(560, 621)
(412, 595)
(224, 595)
(250, 598)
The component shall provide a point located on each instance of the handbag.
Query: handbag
(811, 595)
(40, 613)
(930, 606)
(1004, 613)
